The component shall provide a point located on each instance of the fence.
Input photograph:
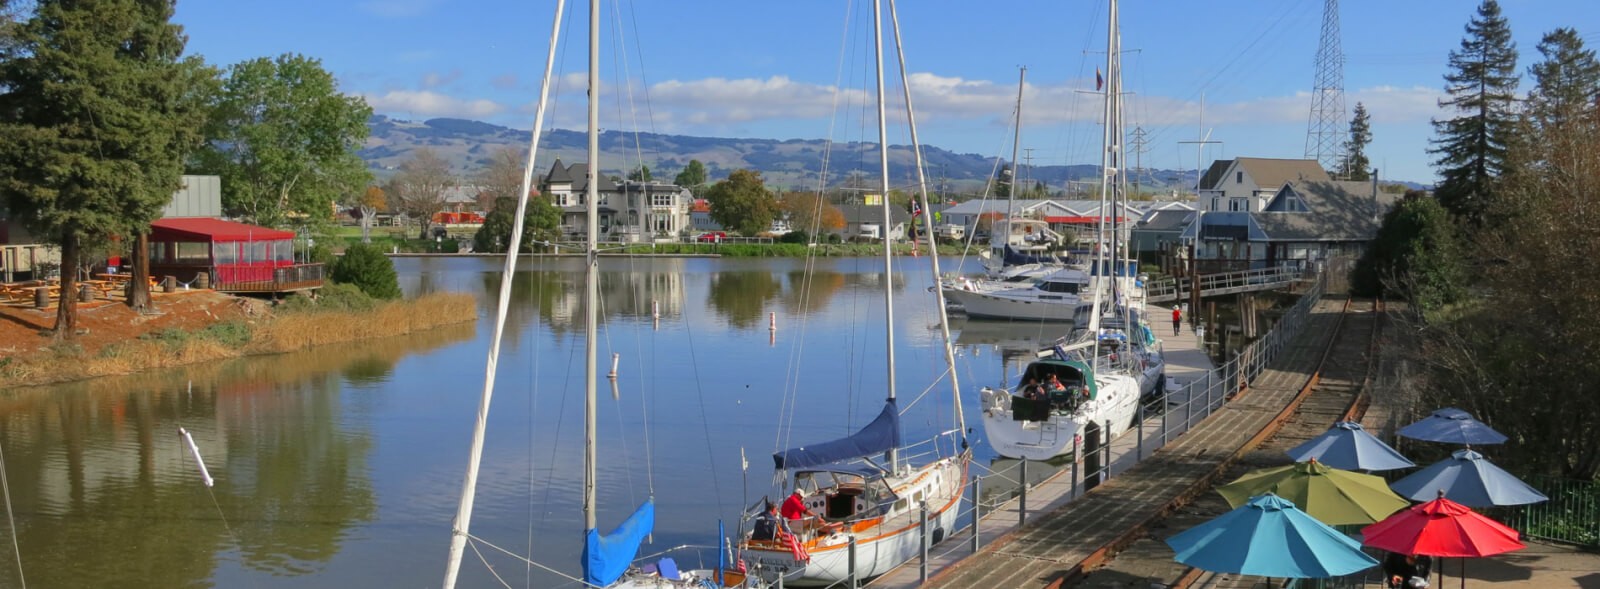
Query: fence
(1169, 289)
(1572, 515)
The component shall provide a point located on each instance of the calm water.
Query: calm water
(341, 466)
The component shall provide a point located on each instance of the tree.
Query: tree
(97, 113)
(421, 185)
(1482, 85)
(502, 178)
(692, 177)
(372, 201)
(283, 138)
(1356, 167)
(1416, 255)
(807, 211)
(742, 203)
(365, 266)
(540, 223)
(640, 175)
(1567, 82)
(1002, 182)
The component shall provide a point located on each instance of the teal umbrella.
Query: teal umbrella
(1269, 537)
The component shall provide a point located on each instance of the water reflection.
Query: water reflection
(106, 494)
(556, 291)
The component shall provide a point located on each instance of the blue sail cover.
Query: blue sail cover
(876, 438)
(606, 558)
(1011, 257)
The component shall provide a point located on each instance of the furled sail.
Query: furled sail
(876, 438)
(606, 558)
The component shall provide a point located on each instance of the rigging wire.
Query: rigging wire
(11, 519)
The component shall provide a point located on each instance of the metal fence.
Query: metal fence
(1171, 289)
(1572, 515)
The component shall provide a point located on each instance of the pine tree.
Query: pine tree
(1567, 82)
(1482, 85)
(692, 177)
(1356, 166)
(1002, 182)
(98, 112)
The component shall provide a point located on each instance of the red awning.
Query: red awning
(206, 229)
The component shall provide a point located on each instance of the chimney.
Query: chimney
(1377, 212)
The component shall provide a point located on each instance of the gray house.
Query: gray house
(1305, 221)
(866, 221)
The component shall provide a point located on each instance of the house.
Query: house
(630, 212)
(1158, 229)
(1247, 184)
(700, 217)
(866, 221)
(1066, 217)
(1303, 222)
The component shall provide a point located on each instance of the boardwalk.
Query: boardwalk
(1054, 546)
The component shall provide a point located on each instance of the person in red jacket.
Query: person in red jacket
(1177, 319)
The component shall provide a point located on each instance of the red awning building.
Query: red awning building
(236, 256)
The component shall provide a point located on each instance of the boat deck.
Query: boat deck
(1057, 544)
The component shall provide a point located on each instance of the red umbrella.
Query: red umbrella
(1442, 528)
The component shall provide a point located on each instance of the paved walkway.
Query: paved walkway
(1052, 546)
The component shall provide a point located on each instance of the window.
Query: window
(225, 252)
(158, 252)
(1237, 204)
(661, 200)
(563, 199)
(192, 252)
(1238, 177)
(283, 250)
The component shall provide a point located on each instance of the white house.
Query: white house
(630, 212)
(1247, 184)
(867, 221)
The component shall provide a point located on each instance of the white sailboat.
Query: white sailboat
(607, 558)
(1107, 367)
(869, 511)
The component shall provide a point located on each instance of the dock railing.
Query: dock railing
(1177, 289)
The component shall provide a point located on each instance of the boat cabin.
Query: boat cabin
(845, 493)
(1065, 282)
(1034, 403)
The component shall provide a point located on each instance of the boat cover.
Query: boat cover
(606, 558)
(1012, 257)
(877, 437)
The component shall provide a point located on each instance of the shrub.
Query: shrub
(795, 236)
(365, 266)
(321, 253)
(833, 238)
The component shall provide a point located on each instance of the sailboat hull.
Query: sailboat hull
(881, 547)
(1117, 404)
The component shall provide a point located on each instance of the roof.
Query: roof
(873, 214)
(204, 229)
(1336, 211)
(465, 193)
(1269, 173)
(701, 206)
(1174, 220)
(578, 176)
(1213, 175)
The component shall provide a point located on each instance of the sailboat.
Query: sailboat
(607, 558)
(870, 502)
(1106, 365)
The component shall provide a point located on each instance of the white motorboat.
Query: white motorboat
(1053, 297)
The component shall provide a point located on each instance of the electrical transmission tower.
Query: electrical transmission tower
(1325, 132)
(1137, 147)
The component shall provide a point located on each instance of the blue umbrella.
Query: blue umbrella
(1269, 537)
(1453, 426)
(1347, 446)
(1467, 478)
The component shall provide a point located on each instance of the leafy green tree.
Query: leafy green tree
(283, 138)
(540, 223)
(97, 113)
(1482, 84)
(1416, 255)
(365, 266)
(1356, 166)
(1567, 82)
(742, 203)
(692, 177)
(641, 175)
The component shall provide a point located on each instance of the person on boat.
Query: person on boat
(1052, 385)
(767, 523)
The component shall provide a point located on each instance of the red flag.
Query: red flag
(738, 557)
(794, 545)
(1099, 80)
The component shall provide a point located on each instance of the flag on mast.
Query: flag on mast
(1099, 80)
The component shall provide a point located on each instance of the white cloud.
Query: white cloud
(426, 103)
(505, 82)
(436, 79)
(398, 8)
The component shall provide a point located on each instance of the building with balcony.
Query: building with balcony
(629, 211)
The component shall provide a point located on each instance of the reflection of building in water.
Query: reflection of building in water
(625, 292)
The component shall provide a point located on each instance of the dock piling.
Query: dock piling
(977, 510)
(924, 560)
(851, 572)
(1022, 498)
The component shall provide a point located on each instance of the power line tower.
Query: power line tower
(1137, 148)
(1326, 129)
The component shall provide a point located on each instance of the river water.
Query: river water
(341, 466)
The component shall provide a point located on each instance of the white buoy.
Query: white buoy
(772, 321)
(655, 309)
(615, 358)
(195, 451)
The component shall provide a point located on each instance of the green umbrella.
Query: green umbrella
(1332, 496)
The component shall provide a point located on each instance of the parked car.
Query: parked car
(711, 237)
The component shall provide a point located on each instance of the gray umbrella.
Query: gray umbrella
(1453, 426)
(1467, 478)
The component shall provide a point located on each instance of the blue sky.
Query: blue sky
(769, 69)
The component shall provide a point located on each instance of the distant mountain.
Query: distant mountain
(795, 163)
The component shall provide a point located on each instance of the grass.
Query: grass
(288, 329)
(782, 250)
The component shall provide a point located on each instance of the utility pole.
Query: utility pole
(1029, 159)
(1325, 128)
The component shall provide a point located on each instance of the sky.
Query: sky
(787, 70)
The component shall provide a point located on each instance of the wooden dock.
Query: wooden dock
(1069, 535)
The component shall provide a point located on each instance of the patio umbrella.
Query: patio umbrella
(1442, 528)
(1469, 479)
(1348, 446)
(1451, 425)
(1268, 537)
(1333, 496)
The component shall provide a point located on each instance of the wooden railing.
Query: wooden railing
(1168, 289)
(282, 279)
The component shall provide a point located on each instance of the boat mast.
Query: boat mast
(458, 537)
(1108, 161)
(1016, 142)
(591, 308)
(888, 254)
(927, 224)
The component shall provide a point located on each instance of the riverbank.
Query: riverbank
(723, 250)
(200, 326)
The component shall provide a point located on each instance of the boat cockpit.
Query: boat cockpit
(1036, 399)
(844, 494)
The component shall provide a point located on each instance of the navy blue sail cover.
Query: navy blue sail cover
(1011, 257)
(606, 558)
(876, 438)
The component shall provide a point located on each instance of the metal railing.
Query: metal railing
(1170, 289)
(1571, 516)
(278, 279)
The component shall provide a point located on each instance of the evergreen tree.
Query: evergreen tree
(641, 175)
(1482, 85)
(365, 266)
(1002, 182)
(97, 115)
(1356, 166)
(692, 176)
(1567, 82)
